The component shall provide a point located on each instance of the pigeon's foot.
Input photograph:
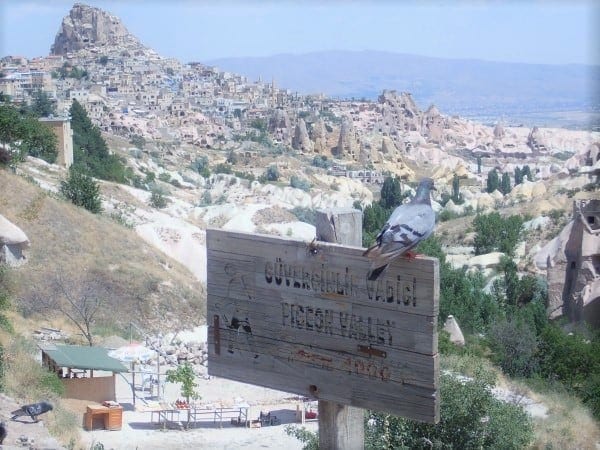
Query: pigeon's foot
(410, 255)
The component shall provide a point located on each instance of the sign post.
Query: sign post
(341, 427)
(302, 317)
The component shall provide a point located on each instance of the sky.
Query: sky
(527, 31)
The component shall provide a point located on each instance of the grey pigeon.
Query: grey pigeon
(408, 225)
(33, 410)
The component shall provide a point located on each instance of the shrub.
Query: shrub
(272, 173)
(299, 183)
(223, 168)
(470, 418)
(303, 214)
(164, 176)
(200, 165)
(514, 344)
(157, 199)
(245, 175)
(310, 439)
(321, 161)
(82, 190)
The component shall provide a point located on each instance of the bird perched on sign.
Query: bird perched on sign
(33, 410)
(408, 225)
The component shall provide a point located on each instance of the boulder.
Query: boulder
(12, 243)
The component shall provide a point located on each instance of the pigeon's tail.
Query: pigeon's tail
(374, 273)
(18, 413)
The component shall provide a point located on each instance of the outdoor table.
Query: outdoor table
(165, 412)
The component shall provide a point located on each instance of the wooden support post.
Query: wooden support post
(341, 427)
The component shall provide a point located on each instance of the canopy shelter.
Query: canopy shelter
(75, 366)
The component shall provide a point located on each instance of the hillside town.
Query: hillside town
(208, 149)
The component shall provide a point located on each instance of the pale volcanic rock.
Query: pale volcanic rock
(528, 190)
(301, 141)
(485, 202)
(388, 147)
(453, 329)
(347, 145)
(433, 125)
(319, 137)
(486, 261)
(499, 131)
(10, 234)
(86, 26)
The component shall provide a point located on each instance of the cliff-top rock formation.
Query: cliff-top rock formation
(86, 26)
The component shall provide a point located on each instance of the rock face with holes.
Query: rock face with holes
(572, 261)
(87, 27)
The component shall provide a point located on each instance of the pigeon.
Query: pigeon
(3, 432)
(33, 410)
(408, 225)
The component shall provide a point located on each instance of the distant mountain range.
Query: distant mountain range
(457, 86)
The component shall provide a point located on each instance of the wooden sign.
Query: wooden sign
(302, 317)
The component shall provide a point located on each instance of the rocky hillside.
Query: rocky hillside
(133, 279)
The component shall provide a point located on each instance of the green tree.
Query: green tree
(200, 165)
(90, 150)
(505, 187)
(391, 193)
(42, 105)
(493, 232)
(457, 197)
(38, 140)
(25, 135)
(374, 217)
(526, 173)
(518, 176)
(478, 163)
(493, 181)
(184, 374)
(82, 190)
(103, 60)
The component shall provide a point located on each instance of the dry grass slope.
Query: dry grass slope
(71, 241)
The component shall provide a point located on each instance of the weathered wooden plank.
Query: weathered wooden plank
(297, 316)
(412, 402)
(367, 362)
(333, 270)
(322, 320)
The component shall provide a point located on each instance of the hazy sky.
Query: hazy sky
(542, 31)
